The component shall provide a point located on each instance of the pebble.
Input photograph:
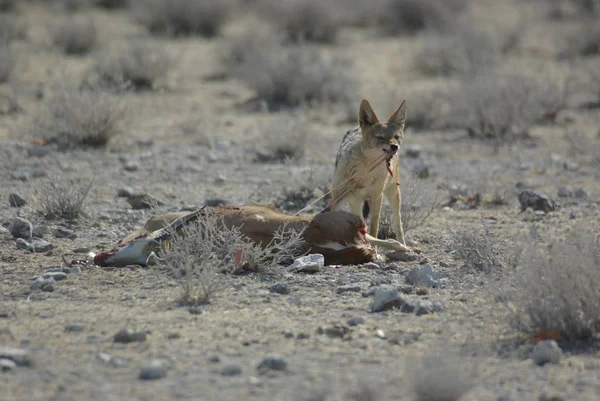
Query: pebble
(270, 363)
(153, 370)
(565, 192)
(220, 179)
(546, 351)
(22, 244)
(20, 356)
(423, 276)
(74, 327)
(421, 307)
(62, 232)
(20, 228)
(56, 276)
(354, 287)
(335, 331)
(421, 170)
(38, 231)
(356, 321)
(128, 336)
(16, 200)
(386, 299)
(308, 264)
(280, 288)
(371, 265)
(20, 175)
(7, 365)
(413, 151)
(40, 246)
(131, 166)
(231, 369)
(44, 284)
(125, 192)
(581, 193)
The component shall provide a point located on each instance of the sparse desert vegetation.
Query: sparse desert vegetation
(114, 111)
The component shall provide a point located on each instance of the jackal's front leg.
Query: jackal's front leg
(393, 196)
(375, 204)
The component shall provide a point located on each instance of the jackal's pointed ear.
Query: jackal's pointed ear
(399, 116)
(366, 115)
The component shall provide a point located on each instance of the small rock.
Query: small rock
(231, 369)
(280, 288)
(143, 201)
(128, 336)
(422, 291)
(22, 244)
(421, 307)
(220, 179)
(354, 287)
(44, 284)
(19, 356)
(62, 232)
(56, 276)
(565, 192)
(371, 265)
(16, 200)
(125, 192)
(423, 276)
(402, 257)
(335, 331)
(581, 193)
(272, 363)
(386, 299)
(153, 370)
(308, 264)
(74, 327)
(535, 200)
(414, 151)
(356, 321)
(369, 292)
(131, 166)
(20, 175)
(421, 170)
(40, 246)
(546, 351)
(38, 231)
(20, 228)
(7, 364)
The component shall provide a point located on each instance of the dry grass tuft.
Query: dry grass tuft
(398, 17)
(285, 139)
(62, 199)
(292, 76)
(556, 285)
(479, 248)
(87, 117)
(137, 65)
(441, 378)
(75, 36)
(305, 20)
(207, 251)
(183, 17)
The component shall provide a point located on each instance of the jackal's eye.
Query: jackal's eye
(397, 137)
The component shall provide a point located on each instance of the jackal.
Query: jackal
(366, 167)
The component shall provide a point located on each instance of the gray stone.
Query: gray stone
(423, 276)
(62, 232)
(20, 356)
(335, 331)
(371, 265)
(546, 351)
(414, 151)
(581, 193)
(153, 370)
(369, 292)
(386, 299)
(20, 175)
(7, 364)
(421, 170)
(39, 231)
(143, 201)
(565, 192)
(280, 288)
(535, 200)
(231, 369)
(20, 228)
(125, 191)
(272, 363)
(74, 327)
(83, 249)
(129, 336)
(16, 200)
(354, 287)
(308, 264)
(40, 246)
(356, 321)
(421, 307)
(44, 284)
(131, 166)
(220, 179)
(22, 244)
(57, 276)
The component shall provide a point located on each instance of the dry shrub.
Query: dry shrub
(183, 17)
(305, 20)
(63, 199)
(479, 248)
(467, 52)
(138, 65)
(285, 139)
(419, 201)
(424, 106)
(441, 378)
(7, 63)
(291, 76)
(301, 193)
(75, 35)
(85, 117)
(11, 28)
(504, 106)
(556, 285)
(399, 17)
(206, 251)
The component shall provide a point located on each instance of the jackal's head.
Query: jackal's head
(386, 135)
